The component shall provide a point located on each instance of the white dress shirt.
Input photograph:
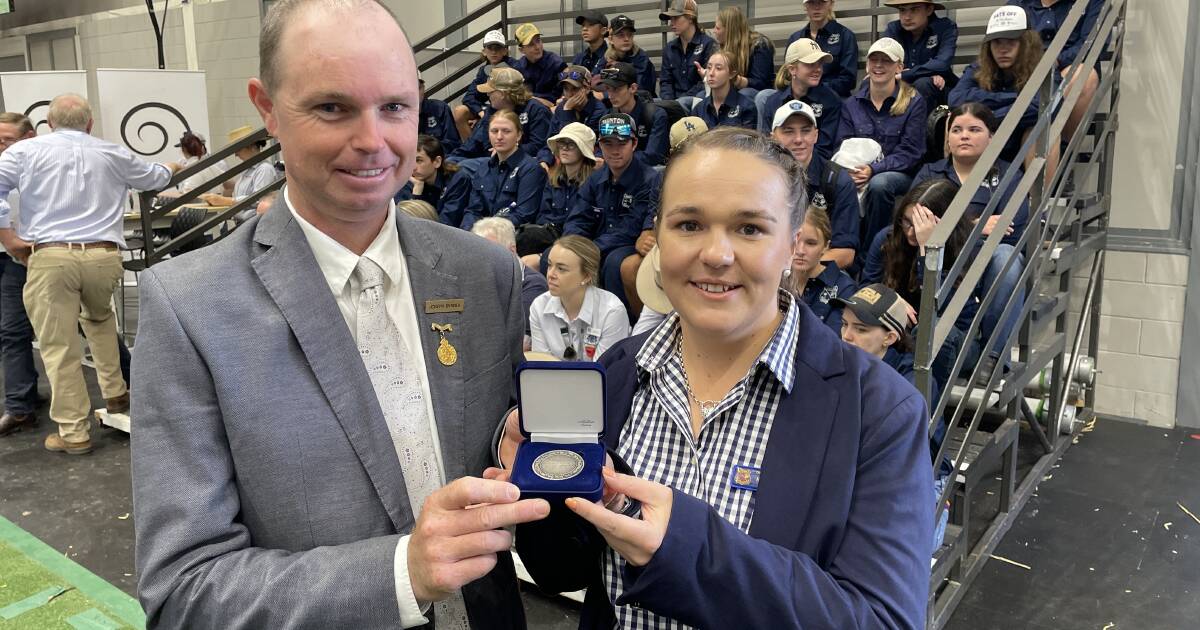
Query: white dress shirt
(199, 178)
(601, 322)
(73, 186)
(254, 180)
(337, 265)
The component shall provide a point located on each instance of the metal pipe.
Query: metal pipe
(1083, 319)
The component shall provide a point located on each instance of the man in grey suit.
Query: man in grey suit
(275, 481)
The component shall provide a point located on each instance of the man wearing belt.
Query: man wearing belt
(73, 190)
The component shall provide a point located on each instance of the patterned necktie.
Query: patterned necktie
(397, 385)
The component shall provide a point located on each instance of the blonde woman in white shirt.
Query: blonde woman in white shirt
(576, 320)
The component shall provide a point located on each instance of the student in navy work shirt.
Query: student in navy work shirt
(539, 66)
(593, 28)
(577, 105)
(890, 112)
(929, 42)
(574, 163)
(506, 91)
(801, 81)
(651, 127)
(622, 49)
(431, 173)
(840, 72)
(813, 281)
(681, 78)
(494, 55)
(724, 105)
(750, 53)
(438, 121)
(616, 202)
(510, 184)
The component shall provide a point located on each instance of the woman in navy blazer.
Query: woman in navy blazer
(779, 477)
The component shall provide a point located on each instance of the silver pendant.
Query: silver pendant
(558, 465)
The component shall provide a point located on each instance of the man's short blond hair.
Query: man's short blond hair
(497, 228)
(69, 111)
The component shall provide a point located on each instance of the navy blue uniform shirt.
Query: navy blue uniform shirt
(541, 76)
(943, 169)
(999, 100)
(932, 53)
(593, 60)
(590, 115)
(557, 202)
(511, 189)
(1047, 21)
(647, 77)
(679, 75)
(902, 137)
(826, 105)
(473, 98)
(831, 283)
(535, 127)
(613, 214)
(843, 209)
(438, 121)
(737, 111)
(653, 131)
(760, 68)
(431, 193)
(841, 74)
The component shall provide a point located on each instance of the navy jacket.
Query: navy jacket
(943, 169)
(830, 283)
(511, 189)
(1048, 20)
(542, 76)
(679, 75)
(760, 68)
(535, 127)
(590, 115)
(842, 208)
(533, 284)
(613, 214)
(454, 199)
(826, 105)
(902, 137)
(431, 194)
(557, 202)
(473, 99)
(999, 100)
(903, 362)
(593, 61)
(438, 121)
(647, 78)
(737, 111)
(843, 514)
(653, 131)
(932, 53)
(841, 74)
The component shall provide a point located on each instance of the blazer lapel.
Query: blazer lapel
(446, 383)
(294, 281)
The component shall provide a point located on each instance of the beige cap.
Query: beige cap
(889, 47)
(526, 32)
(239, 133)
(895, 4)
(685, 128)
(502, 79)
(579, 133)
(649, 284)
(806, 50)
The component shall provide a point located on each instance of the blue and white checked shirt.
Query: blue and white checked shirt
(658, 444)
(73, 186)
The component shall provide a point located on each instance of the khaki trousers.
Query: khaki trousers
(67, 288)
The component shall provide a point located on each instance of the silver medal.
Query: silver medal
(557, 465)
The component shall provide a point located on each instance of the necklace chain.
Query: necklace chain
(707, 407)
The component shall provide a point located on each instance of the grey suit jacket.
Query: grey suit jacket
(267, 492)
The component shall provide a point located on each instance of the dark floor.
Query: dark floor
(1104, 537)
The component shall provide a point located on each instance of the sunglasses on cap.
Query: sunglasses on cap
(573, 75)
(615, 128)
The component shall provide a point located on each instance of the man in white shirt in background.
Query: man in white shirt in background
(73, 188)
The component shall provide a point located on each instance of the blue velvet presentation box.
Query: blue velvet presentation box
(562, 418)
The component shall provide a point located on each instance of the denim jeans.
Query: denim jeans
(883, 189)
(1009, 284)
(939, 528)
(16, 340)
(610, 272)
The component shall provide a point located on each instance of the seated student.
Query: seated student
(577, 105)
(652, 129)
(829, 186)
(800, 80)
(616, 204)
(841, 71)
(681, 77)
(248, 181)
(576, 320)
(890, 112)
(506, 92)
(929, 42)
(622, 49)
(1007, 58)
(815, 282)
(431, 173)
(533, 284)
(437, 120)
(724, 106)
(970, 129)
(1047, 17)
(539, 67)
(573, 165)
(751, 54)
(494, 55)
(510, 184)
(593, 29)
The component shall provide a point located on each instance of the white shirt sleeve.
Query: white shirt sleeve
(537, 335)
(614, 325)
(412, 613)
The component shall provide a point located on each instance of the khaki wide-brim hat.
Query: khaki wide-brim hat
(583, 137)
(239, 133)
(505, 79)
(895, 4)
(649, 284)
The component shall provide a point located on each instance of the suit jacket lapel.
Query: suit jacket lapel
(294, 281)
(429, 282)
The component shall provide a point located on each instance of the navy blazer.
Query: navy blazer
(843, 516)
